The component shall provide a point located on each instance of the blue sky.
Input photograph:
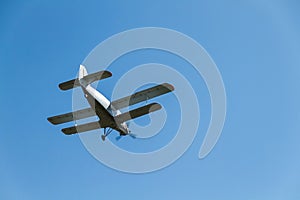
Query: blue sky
(255, 45)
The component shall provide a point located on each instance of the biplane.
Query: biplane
(108, 113)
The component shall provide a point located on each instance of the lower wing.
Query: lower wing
(118, 119)
(81, 128)
(72, 116)
(137, 112)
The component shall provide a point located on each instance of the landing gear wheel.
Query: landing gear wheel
(103, 137)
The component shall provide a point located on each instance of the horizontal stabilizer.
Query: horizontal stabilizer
(137, 112)
(72, 116)
(81, 128)
(88, 79)
(143, 95)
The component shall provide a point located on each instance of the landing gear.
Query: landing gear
(106, 133)
(103, 137)
(132, 135)
(129, 134)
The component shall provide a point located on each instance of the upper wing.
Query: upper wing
(88, 78)
(137, 112)
(71, 116)
(142, 95)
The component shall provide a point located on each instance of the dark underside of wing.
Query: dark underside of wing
(137, 112)
(81, 128)
(142, 96)
(72, 116)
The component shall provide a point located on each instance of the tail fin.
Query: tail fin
(82, 72)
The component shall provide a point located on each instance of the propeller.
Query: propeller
(131, 135)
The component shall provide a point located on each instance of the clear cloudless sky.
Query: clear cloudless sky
(255, 44)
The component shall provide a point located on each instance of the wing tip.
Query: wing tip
(154, 107)
(109, 74)
(67, 85)
(169, 86)
(62, 87)
(68, 131)
(50, 119)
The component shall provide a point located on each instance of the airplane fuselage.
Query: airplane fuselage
(105, 110)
